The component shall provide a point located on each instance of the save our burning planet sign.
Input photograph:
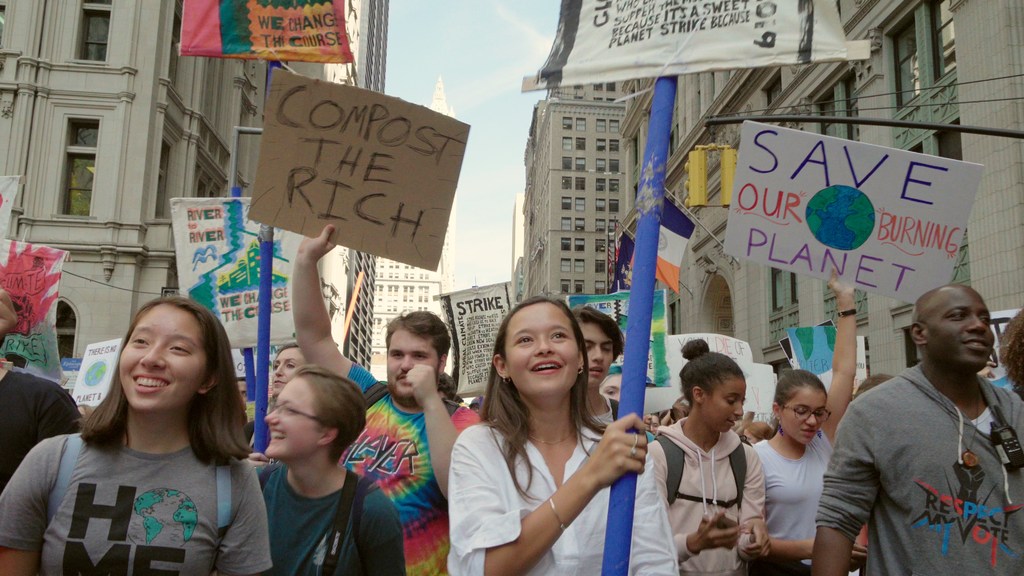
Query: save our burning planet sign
(889, 221)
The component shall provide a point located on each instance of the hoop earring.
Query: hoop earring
(580, 371)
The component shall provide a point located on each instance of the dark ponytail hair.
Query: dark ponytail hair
(705, 369)
(793, 380)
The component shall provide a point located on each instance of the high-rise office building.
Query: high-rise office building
(576, 189)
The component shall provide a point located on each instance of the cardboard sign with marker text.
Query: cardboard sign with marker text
(382, 170)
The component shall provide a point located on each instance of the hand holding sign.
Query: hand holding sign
(384, 171)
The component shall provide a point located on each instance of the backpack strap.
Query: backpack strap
(341, 517)
(675, 460)
(364, 487)
(68, 460)
(266, 472)
(615, 409)
(374, 394)
(450, 406)
(738, 463)
(223, 500)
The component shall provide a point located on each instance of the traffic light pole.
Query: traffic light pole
(649, 204)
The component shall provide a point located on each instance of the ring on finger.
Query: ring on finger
(632, 451)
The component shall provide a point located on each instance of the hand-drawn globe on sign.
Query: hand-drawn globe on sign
(841, 217)
(96, 373)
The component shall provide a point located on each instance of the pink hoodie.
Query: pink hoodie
(709, 475)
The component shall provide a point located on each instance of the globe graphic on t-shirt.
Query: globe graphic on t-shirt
(163, 517)
(96, 373)
(841, 217)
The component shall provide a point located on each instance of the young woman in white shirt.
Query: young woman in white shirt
(795, 459)
(528, 489)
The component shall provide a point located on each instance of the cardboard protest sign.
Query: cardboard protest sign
(70, 367)
(384, 171)
(474, 316)
(760, 377)
(218, 254)
(617, 306)
(99, 364)
(8, 190)
(603, 41)
(31, 275)
(890, 221)
(295, 30)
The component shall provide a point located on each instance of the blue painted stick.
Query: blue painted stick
(260, 431)
(263, 335)
(250, 384)
(619, 533)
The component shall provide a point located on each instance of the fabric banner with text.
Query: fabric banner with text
(31, 276)
(218, 253)
(473, 316)
(603, 41)
(286, 30)
(384, 171)
(889, 221)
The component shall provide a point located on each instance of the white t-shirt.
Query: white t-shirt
(984, 422)
(606, 418)
(793, 487)
(485, 510)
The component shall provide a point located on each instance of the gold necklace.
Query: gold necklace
(551, 443)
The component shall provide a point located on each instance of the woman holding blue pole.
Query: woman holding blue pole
(529, 488)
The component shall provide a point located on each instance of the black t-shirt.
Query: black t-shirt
(31, 410)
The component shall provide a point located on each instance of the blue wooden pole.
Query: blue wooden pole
(250, 378)
(260, 432)
(651, 195)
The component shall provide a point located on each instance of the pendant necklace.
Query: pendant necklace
(969, 458)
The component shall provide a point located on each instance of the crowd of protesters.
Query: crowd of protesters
(917, 473)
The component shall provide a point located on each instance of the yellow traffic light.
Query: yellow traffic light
(697, 182)
(727, 169)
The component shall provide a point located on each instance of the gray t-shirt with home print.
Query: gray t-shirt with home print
(126, 512)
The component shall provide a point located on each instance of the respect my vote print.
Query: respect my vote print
(889, 221)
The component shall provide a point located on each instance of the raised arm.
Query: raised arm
(312, 322)
(441, 433)
(844, 360)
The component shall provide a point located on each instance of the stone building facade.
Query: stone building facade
(106, 123)
(942, 61)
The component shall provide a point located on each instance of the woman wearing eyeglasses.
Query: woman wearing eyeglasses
(324, 520)
(795, 458)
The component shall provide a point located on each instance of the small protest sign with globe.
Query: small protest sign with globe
(163, 517)
(841, 217)
(95, 373)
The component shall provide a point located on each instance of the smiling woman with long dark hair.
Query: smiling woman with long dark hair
(528, 489)
(158, 477)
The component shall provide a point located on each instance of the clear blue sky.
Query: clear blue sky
(481, 49)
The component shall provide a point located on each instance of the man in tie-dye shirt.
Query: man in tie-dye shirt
(407, 443)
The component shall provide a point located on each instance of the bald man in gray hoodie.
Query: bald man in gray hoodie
(914, 459)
